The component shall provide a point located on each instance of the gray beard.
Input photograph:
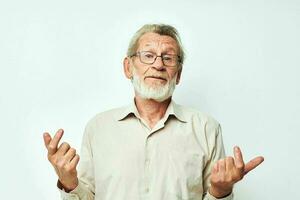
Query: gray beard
(159, 93)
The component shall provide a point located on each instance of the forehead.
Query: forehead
(154, 40)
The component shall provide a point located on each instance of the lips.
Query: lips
(156, 77)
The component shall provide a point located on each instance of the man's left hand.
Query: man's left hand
(228, 171)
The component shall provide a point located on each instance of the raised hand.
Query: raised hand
(64, 160)
(228, 171)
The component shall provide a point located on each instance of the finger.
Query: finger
(222, 166)
(253, 164)
(215, 169)
(239, 162)
(229, 162)
(70, 154)
(52, 147)
(63, 149)
(47, 139)
(74, 161)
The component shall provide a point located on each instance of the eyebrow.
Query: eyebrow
(165, 50)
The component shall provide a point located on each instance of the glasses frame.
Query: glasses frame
(138, 54)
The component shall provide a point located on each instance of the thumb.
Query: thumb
(252, 164)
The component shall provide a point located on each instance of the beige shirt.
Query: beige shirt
(123, 159)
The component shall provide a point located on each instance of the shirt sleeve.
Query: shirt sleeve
(86, 184)
(216, 152)
(208, 196)
(79, 193)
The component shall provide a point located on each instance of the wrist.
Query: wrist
(67, 187)
(219, 193)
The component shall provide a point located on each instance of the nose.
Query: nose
(158, 63)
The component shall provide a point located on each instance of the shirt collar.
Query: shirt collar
(173, 109)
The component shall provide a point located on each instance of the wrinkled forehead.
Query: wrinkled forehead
(154, 41)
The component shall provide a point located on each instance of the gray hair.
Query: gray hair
(161, 29)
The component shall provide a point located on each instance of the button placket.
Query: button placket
(147, 164)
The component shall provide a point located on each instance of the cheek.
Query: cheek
(138, 69)
(172, 74)
(139, 72)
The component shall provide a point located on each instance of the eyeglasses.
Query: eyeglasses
(148, 57)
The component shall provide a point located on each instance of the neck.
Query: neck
(150, 110)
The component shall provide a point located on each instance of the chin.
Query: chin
(155, 85)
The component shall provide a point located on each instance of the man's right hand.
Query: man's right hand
(64, 160)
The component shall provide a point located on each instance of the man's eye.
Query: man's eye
(167, 57)
(149, 55)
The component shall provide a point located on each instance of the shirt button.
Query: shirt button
(147, 162)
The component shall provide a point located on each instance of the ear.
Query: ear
(127, 68)
(178, 76)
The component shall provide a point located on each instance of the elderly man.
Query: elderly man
(153, 149)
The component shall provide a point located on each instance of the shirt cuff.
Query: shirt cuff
(211, 197)
(79, 191)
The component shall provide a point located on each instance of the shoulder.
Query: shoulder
(106, 117)
(194, 115)
(206, 128)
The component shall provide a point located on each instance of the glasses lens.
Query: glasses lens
(147, 57)
(169, 60)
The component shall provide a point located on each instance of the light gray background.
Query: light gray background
(61, 63)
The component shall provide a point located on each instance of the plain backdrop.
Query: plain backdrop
(61, 63)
